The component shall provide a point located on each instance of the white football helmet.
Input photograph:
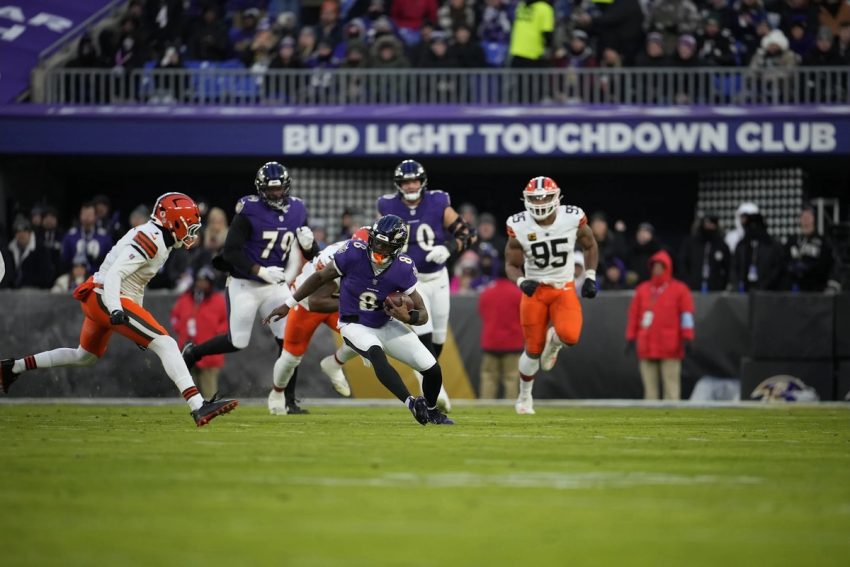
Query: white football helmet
(542, 197)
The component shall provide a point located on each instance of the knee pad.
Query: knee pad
(289, 359)
(528, 366)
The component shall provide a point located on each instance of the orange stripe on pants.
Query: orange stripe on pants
(301, 324)
(97, 330)
(560, 306)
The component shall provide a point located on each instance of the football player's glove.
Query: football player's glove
(588, 288)
(438, 255)
(118, 317)
(271, 274)
(305, 237)
(527, 286)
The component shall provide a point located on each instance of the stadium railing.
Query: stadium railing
(228, 83)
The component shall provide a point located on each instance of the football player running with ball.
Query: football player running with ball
(436, 231)
(256, 252)
(112, 303)
(542, 240)
(374, 327)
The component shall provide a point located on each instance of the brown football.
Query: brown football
(398, 299)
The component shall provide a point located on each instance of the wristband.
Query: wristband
(414, 316)
(590, 274)
(291, 301)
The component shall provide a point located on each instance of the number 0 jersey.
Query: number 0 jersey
(425, 224)
(548, 249)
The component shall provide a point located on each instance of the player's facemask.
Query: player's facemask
(380, 252)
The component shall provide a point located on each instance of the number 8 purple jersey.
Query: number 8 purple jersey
(361, 291)
(425, 223)
(272, 231)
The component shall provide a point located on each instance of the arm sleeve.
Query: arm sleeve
(237, 236)
(127, 263)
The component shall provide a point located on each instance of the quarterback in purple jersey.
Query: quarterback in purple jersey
(256, 251)
(436, 231)
(374, 327)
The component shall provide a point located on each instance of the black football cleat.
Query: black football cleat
(437, 417)
(7, 377)
(212, 409)
(188, 353)
(292, 407)
(419, 409)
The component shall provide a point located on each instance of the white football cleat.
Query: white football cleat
(444, 404)
(525, 405)
(334, 371)
(550, 350)
(277, 403)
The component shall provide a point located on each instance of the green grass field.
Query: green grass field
(98, 485)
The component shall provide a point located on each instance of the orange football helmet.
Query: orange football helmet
(179, 214)
(542, 196)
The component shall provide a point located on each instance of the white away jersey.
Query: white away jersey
(317, 264)
(131, 264)
(548, 249)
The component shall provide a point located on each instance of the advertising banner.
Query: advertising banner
(442, 131)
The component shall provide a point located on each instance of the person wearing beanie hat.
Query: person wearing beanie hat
(673, 18)
(653, 54)
(704, 258)
(715, 45)
(30, 264)
(644, 247)
(773, 57)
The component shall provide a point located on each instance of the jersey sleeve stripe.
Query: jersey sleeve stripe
(511, 232)
(139, 250)
(146, 243)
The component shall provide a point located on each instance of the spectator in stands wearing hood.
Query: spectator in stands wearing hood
(653, 54)
(388, 53)
(30, 266)
(809, 258)
(705, 259)
(774, 56)
(660, 324)
(757, 263)
(736, 234)
(618, 25)
(577, 53)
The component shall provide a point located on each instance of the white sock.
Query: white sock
(525, 387)
(284, 367)
(343, 354)
(169, 354)
(55, 358)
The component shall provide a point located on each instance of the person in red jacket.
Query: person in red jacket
(199, 315)
(661, 322)
(501, 338)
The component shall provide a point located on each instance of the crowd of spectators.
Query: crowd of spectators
(279, 34)
(40, 253)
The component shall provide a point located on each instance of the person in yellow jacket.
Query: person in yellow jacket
(531, 36)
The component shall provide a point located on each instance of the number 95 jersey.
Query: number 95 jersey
(425, 222)
(548, 249)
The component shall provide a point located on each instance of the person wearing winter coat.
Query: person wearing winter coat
(704, 259)
(199, 315)
(660, 325)
(758, 260)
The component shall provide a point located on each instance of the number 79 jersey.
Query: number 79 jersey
(272, 231)
(548, 249)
